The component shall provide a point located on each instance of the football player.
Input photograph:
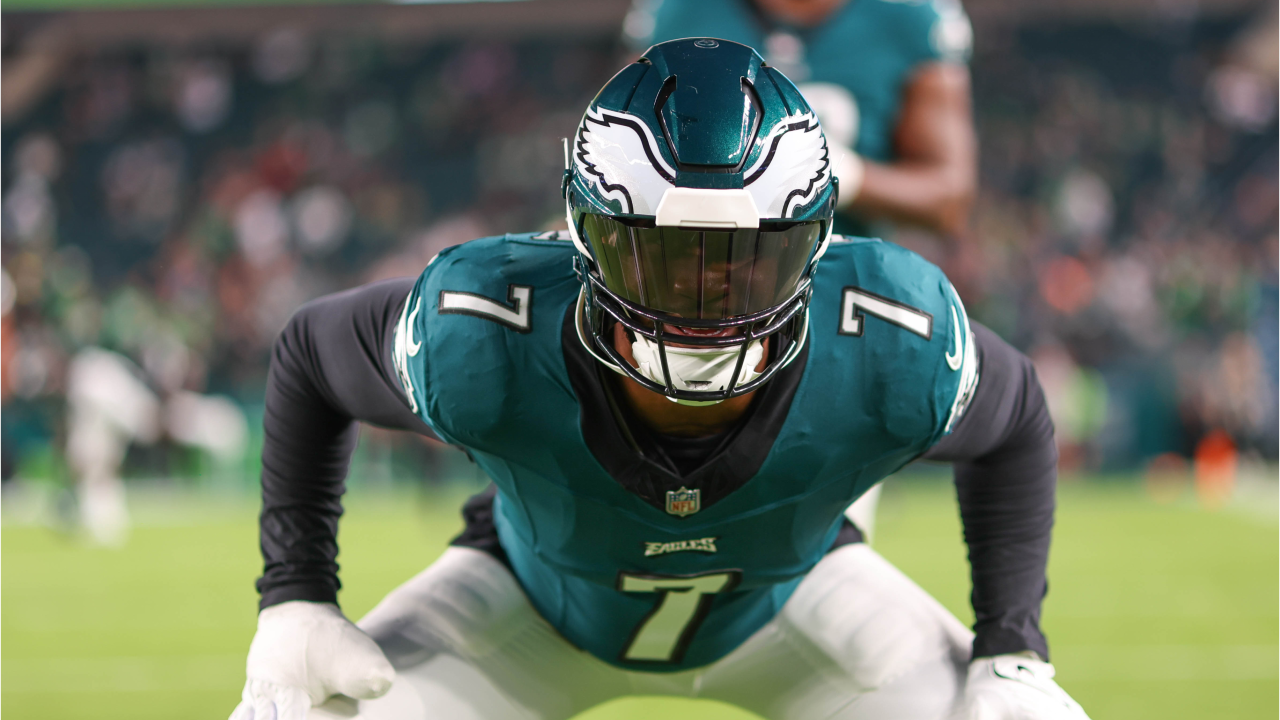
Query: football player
(676, 399)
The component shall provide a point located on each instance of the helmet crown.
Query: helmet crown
(709, 112)
(701, 113)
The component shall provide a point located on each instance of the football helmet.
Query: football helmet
(699, 193)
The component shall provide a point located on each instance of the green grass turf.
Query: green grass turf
(1156, 611)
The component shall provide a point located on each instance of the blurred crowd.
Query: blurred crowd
(1126, 230)
(176, 206)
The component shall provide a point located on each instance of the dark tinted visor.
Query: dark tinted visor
(703, 274)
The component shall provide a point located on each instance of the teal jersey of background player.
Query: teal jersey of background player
(482, 355)
(867, 47)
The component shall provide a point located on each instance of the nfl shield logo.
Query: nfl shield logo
(684, 501)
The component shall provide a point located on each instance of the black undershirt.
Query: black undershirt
(331, 366)
(689, 453)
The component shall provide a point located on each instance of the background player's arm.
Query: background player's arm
(330, 367)
(1006, 474)
(934, 176)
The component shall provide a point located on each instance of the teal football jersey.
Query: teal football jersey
(481, 350)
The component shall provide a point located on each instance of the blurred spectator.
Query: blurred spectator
(1127, 217)
(7, 353)
(1077, 400)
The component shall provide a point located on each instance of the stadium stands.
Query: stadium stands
(175, 203)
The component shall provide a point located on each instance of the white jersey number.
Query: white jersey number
(858, 301)
(683, 603)
(964, 360)
(515, 315)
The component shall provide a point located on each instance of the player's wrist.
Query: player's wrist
(850, 169)
(300, 608)
(314, 592)
(1024, 654)
(1008, 637)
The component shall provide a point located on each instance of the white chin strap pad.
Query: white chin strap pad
(697, 369)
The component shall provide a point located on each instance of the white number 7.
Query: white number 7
(683, 603)
(514, 316)
(857, 301)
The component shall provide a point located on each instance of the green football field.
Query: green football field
(1158, 611)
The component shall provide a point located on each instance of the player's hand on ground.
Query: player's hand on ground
(1016, 687)
(304, 653)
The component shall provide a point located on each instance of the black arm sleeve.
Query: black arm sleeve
(1006, 473)
(330, 367)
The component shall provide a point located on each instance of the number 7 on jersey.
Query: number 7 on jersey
(857, 301)
(683, 603)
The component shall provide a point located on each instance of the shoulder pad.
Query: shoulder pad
(914, 325)
(482, 317)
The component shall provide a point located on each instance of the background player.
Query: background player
(682, 524)
(887, 79)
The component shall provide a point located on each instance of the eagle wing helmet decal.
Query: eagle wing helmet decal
(619, 154)
(792, 169)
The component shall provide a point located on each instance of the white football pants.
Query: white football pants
(857, 641)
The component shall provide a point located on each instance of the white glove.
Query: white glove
(1016, 687)
(303, 653)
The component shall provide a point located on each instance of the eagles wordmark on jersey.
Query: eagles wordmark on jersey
(707, 544)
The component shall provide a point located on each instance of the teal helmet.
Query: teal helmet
(699, 193)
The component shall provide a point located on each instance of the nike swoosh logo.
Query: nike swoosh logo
(414, 347)
(954, 361)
